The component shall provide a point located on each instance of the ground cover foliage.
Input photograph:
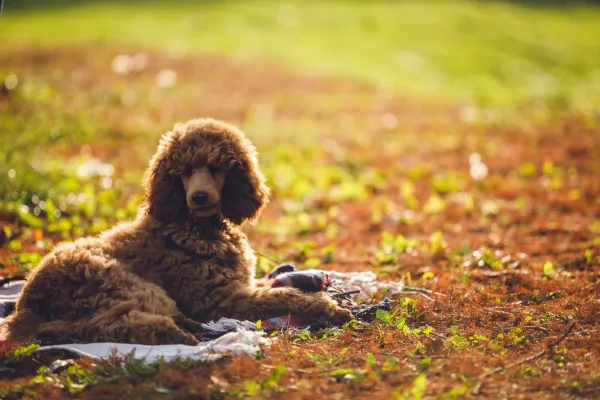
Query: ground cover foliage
(494, 213)
(499, 223)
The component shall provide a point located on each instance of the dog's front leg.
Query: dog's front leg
(264, 302)
(188, 324)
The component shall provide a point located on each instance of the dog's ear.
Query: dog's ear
(165, 194)
(245, 193)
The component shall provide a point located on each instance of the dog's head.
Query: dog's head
(205, 169)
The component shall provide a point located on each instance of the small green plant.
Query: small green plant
(549, 270)
(74, 378)
(530, 372)
(26, 261)
(516, 337)
(370, 361)
(458, 341)
(437, 242)
(448, 182)
(331, 332)
(77, 379)
(304, 249)
(128, 366)
(408, 306)
(10, 363)
(434, 205)
(400, 322)
(424, 363)
(526, 170)
(25, 351)
(389, 365)
(477, 339)
(370, 371)
(349, 375)
(303, 336)
(329, 360)
(384, 316)
(260, 388)
(416, 392)
(263, 266)
(407, 192)
(352, 325)
(588, 254)
(391, 246)
(457, 392)
(485, 258)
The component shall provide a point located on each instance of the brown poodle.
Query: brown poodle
(184, 260)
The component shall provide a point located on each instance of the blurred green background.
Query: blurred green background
(481, 51)
(88, 86)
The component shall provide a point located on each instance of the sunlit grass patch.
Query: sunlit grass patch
(488, 53)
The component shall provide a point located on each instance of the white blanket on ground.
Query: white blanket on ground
(241, 342)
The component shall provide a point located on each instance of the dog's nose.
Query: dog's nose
(200, 197)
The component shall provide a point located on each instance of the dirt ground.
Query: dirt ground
(495, 220)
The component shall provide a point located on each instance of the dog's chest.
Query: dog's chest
(224, 263)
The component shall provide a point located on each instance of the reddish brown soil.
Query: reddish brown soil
(549, 343)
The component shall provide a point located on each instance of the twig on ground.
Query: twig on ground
(548, 348)
(537, 328)
(306, 346)
(267, 258)
(407, 288)
(523, 361)
(421, 290)
(438, 335)
(477, 388)
(345, 293)
(418, 294)
(567, 333)
(501, 328)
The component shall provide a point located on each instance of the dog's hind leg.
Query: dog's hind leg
(146, 328)
(119, 324)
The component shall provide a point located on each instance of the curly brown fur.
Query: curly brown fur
(184, 259)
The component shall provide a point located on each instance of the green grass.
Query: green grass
(502, 54)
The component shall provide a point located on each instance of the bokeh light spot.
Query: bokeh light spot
(11, 82)
(166, 78)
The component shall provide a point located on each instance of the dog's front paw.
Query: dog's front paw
(189, 339)
(188, 324)
(177, 336)
(329, 310)
(341, 316)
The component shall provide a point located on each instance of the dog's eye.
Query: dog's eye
(213, 169)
